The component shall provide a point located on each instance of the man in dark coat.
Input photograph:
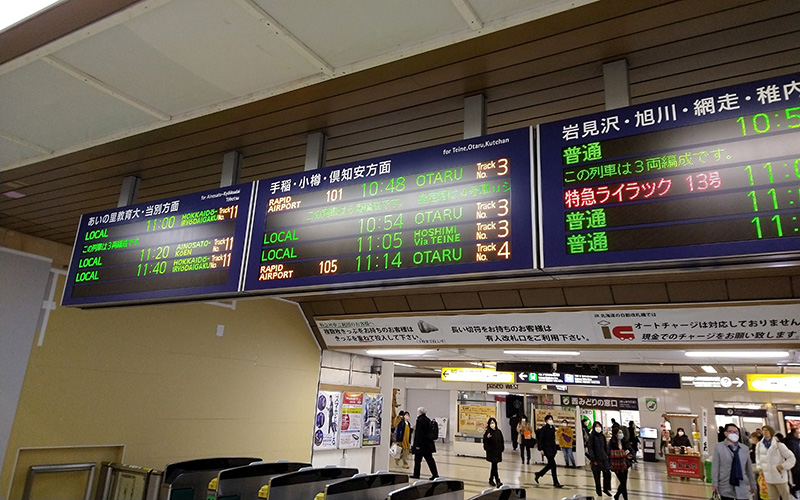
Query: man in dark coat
(548, 447)
(493, 445)
(514, 422)
(424, 446)
(793, 443)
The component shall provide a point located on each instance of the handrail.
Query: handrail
(46, 469)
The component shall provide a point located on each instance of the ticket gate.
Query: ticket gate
(305, 483)
(243, 483)
(438, 489)
(189, 480)
(130, 482)
(365, 487)
(503, 493)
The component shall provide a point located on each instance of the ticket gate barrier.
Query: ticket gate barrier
(305, 483)
(503, 493)
(438, 489)
(243, 483)
(189, 480)
(365, 486)
(128, 482)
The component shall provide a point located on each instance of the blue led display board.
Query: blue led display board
(457, 209)
(186, 246)
(712, 175)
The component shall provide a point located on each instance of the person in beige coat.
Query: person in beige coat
(774, 460)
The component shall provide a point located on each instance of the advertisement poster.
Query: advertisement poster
(472, 419)
(558, 416)
(352, 418)
(373, 409)
(326, 422)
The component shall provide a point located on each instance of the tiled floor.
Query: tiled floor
(647, 480)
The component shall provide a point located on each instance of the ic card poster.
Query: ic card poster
(472, 419)
(373, 411)
(326, 421)
(352, 419)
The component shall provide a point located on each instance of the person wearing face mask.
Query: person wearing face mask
(402, 435)
(548, 448)
(681, 439)
(566, 439)
(619, 454)
(774, 461)
(731, 470)
(525, 438)
(597, 451)
(493, 445)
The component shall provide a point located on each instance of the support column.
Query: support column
(380, 454)
(474, 116)
(231, 169)
(316, 148)
(617, 86)
(129, 191)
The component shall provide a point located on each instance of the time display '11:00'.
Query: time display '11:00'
(443, 210)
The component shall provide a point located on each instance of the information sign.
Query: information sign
(456, 209)
(711, 381)
(191, 245)
(561, 379)
(714, 174)
(601, 402)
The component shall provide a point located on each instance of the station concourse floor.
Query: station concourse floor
(647, 480)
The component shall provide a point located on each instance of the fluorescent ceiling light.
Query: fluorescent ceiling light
(483, 365)
(708, 369)
(544, 353)
(498, 393)
(13, 12)
(403, 364)
(737, 354)
(395, 352)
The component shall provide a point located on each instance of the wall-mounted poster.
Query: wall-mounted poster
(352, 418)
(472, 419)
(373, 409)
(326, 421)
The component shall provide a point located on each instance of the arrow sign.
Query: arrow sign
(739, 382)
(523, 376)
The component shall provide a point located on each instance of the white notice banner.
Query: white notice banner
(763, 324)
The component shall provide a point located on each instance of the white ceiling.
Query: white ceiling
(160, 62)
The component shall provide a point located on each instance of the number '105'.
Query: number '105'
(760, 123)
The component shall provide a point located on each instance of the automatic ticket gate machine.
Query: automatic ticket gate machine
(365, 486)
(305, 483)
(438, 489)
(189, 480)
(243, 483)
(503, 493)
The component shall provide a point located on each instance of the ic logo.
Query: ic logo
(620, 332)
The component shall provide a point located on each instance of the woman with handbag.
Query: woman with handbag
(619, 454)
(525, 437)
(493, 445)
(773, 461)
(597, 451)
(402, 436)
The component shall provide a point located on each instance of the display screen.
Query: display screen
(191, 245)
(708, 175)
(455, 209)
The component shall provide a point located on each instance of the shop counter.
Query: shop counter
(685, 465)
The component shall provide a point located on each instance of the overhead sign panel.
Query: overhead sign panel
(708, 175)
(773, 383)
(560, 379)
(476, 375)
(711, 381)
(457, 209)
(184, 246)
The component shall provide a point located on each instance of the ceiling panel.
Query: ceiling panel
(12, 151)
(147, 74)
(222, 44)
(354, 30)
(48, 107)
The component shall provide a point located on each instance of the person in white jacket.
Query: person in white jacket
(774, 460)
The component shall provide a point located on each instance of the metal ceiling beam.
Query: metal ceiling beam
(468, 13)
(105, 88)
(287, 36)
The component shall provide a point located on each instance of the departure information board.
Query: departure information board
(460, 208)
(186, 246)
(710, 175)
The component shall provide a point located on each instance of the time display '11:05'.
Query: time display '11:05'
(708, 175)
(445, 210)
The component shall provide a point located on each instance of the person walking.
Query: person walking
(566, 438)
(774, 461)
(424, 444)
(597, 450)
(619, 454)
(548, 447)
(732, 474)
(525, 438)
(493, 445)
(514, 422)
(402, 436)
(633, 438)
(793, 443)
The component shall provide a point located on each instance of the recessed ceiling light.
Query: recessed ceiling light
(737, 354)
(544, 353)
(14, 194)
(708, 369)
(396, 352)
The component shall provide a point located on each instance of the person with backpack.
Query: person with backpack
(425, 436)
